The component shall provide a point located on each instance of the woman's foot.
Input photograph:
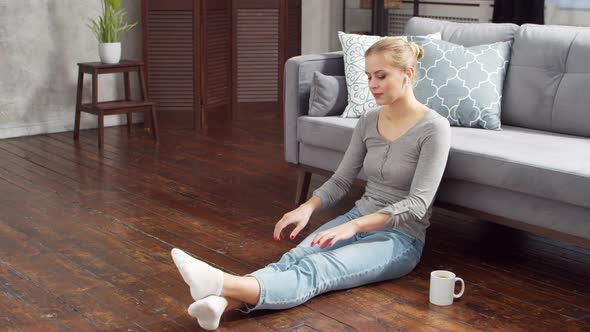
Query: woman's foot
(208, 311)
(202, 278)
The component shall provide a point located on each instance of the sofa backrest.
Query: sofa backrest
(466, 34)
(548, 81)
(546, 85)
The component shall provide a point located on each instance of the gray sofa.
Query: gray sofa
(534, 174)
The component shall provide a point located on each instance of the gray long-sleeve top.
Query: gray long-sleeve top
(402, 175)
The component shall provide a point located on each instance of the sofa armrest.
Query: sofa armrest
(298, 77)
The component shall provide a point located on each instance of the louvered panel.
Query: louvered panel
(170, 72)
(171, 96)
(170, 57)
(257, 55)
(218, 41)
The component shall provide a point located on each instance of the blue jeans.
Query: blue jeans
(306, 271)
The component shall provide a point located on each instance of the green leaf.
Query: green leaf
(111, 23)
(114, 3)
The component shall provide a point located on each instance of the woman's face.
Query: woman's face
(385, 81)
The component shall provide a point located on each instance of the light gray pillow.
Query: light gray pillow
(463, 84)
(328, 95)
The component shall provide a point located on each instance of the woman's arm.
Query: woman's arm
(312, 204)
(370, 222)
(298, 217)
(333, 189)
(341, 181)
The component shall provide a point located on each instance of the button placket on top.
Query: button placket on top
(385, 155)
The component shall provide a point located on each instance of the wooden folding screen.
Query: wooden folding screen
(266, 33)
(211, 60)
(293, 34)
(216, 65)
(171, 53)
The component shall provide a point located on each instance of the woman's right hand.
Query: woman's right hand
(298, 217)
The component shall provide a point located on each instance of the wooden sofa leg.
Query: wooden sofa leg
(303, 180)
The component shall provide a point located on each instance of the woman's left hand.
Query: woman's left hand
(330, 236)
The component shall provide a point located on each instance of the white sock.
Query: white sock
(202, 278)
(208, 311)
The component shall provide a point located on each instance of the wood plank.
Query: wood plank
(69, 271)
(20, 292)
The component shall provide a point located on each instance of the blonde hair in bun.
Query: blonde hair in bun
(398, 52)
(417, 49)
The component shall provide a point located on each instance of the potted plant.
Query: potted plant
(107, 28)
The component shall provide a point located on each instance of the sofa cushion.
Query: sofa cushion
(542, 164)
(332, 132)
(547, 80)
(328, 95)
(539, 163)
(463, 84)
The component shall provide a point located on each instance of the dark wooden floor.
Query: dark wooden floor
(85, 238)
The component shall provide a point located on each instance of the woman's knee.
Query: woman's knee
(290, 258)
(404, 263)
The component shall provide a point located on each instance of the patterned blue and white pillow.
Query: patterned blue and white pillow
(354, 47)
(463, 84)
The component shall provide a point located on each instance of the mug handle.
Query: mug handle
(462, 288)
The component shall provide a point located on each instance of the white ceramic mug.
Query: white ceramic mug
(442, 287)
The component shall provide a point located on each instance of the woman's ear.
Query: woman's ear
(409, 73)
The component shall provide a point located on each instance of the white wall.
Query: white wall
(556, 15)
(320, 20)
(40, 43)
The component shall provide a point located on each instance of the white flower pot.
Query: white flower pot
(109, 52)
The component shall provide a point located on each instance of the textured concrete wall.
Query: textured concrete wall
(40, 43)
(322, 19)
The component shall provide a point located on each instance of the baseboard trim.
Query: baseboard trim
(63, 125)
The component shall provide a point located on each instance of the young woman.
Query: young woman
(403, 148)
